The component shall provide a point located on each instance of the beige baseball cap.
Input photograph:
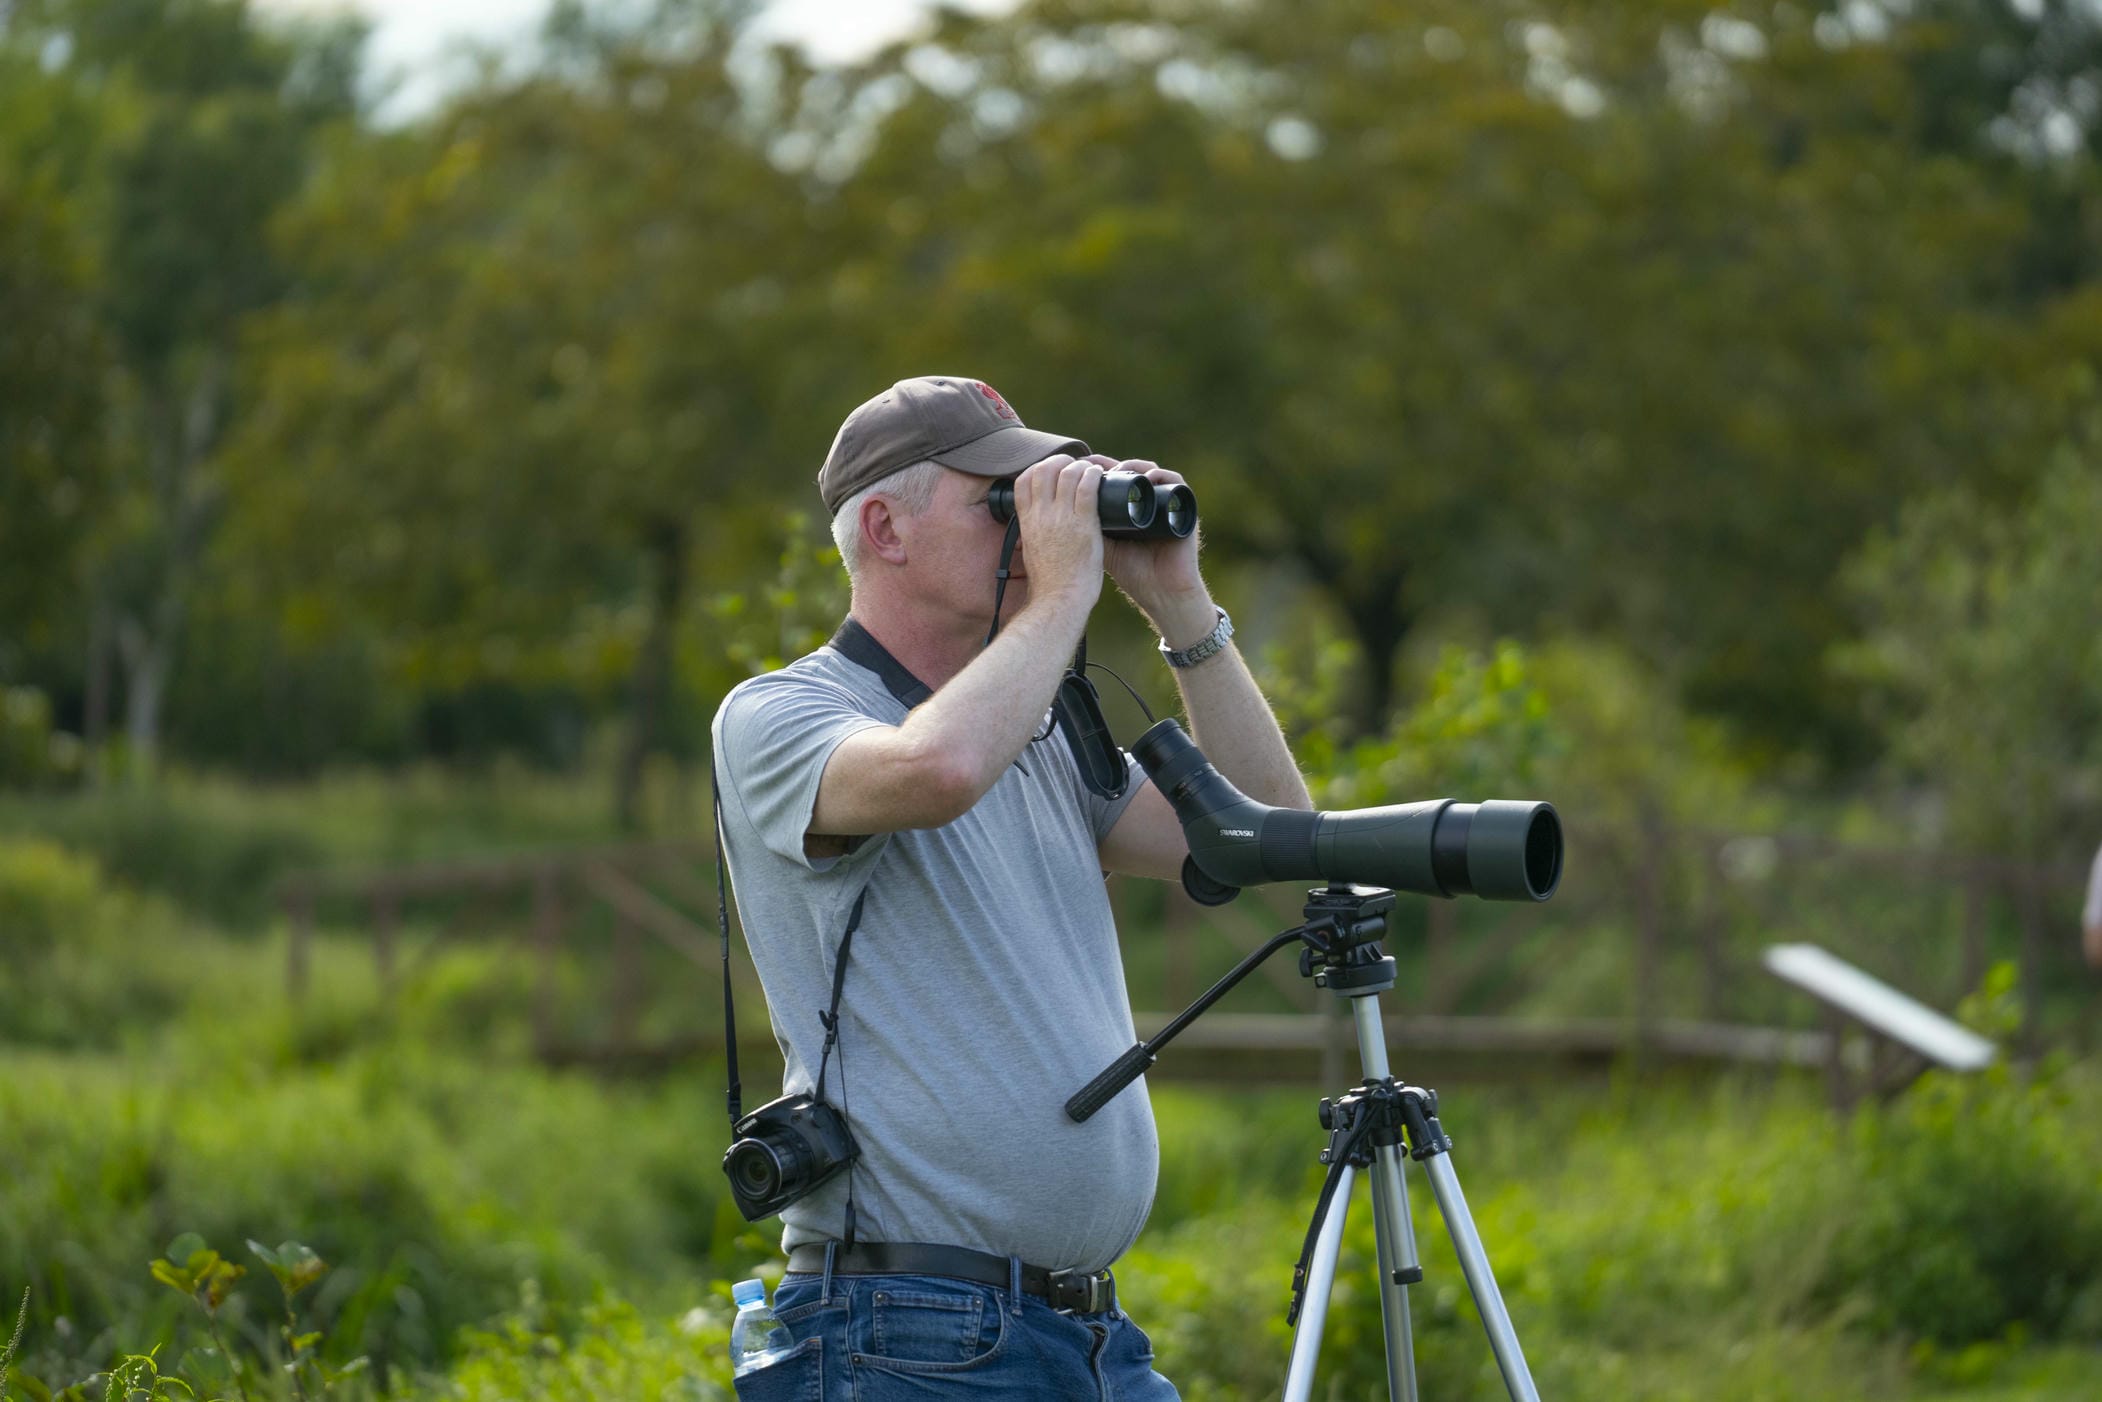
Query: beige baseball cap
(959, 423)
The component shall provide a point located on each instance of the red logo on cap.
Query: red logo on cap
(998, 403)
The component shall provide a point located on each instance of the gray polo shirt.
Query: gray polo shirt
(984, 986)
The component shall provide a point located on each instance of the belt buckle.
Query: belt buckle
(1090, 1292)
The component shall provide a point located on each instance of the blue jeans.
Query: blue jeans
(887, 1338)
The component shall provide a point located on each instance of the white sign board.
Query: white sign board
(1877, 1005)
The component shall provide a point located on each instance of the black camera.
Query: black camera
(783, 1150)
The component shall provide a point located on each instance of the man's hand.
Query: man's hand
(1161, 576)
(1055, 500)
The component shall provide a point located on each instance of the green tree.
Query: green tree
(1633, 318)
(200, 121)
(52, 353)
(1979, 641)
(551, 357)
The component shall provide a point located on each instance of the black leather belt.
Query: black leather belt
(1067, 1291)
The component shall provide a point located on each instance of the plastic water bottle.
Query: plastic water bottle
(756, 1337)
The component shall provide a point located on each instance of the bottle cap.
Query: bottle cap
(747, 1292)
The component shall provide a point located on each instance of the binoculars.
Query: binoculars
(1130, 506)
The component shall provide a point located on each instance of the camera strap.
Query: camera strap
(722, 920)
(829, 1017)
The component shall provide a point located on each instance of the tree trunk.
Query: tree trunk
(94, 719)
(182, 437)
(653, 664)
(1379, 641)
(1379, 621)
(1372, 605)
(148, 659)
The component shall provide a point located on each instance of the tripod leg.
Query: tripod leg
(1396, 1234)
(1397, 1264)
(1321, 1278)
(1474, 1263)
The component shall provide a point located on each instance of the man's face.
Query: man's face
(953, 548)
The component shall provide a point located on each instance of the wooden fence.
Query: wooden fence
(1651, 945)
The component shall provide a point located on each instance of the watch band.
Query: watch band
(1211, 643)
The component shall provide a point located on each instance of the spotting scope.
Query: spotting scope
(1129, 505)
(1500, 850)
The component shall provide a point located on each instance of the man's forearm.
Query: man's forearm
(986, 713)
(1231, 719)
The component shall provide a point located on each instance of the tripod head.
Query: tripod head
(1341, 953)
(1341, 939)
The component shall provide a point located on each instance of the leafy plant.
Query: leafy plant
(14, 1342)
(205, 1277)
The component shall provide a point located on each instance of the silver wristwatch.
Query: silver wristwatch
(1212, 642)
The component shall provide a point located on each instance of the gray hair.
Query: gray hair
(910, 489)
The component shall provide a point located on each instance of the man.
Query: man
(894, 770)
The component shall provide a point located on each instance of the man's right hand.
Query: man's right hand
(1056, 502)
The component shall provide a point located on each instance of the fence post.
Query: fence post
(1439, 919)
(1178, 915)
(1649, 934)
(627, 986)
(1838, 1084)
(2028, 902)
(1714, 966)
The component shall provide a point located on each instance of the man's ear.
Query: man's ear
(879, 531)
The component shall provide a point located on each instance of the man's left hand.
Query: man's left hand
(1160, 576)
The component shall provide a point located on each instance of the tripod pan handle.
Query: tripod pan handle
(1100, 1091)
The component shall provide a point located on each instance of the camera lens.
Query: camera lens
(755, 1169)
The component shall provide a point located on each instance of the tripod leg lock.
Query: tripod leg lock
(1419, 1111)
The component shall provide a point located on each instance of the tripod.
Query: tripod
(1369, 1127)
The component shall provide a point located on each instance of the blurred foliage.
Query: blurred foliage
(1625, 323)
(1978, 629)
(86, 966)
(52, 466)
(1583, 721)
(1480, 726)
(32, 754)
(497, 1229)
(225, 868)
(1957, 1246)
(186, 128)
(1597, 374)
(760, 629)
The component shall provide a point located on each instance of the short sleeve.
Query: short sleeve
(773, 738)
(1104, 812)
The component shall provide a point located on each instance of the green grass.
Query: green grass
(499, 1230)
